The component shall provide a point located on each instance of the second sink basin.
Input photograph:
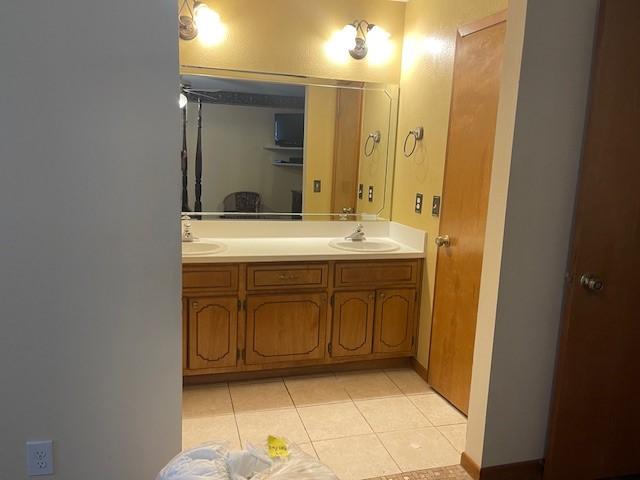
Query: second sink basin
(201, 248)
(364, 245)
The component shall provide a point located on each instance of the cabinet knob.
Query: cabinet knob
(195, 304)
(371, 296)
(382, 295)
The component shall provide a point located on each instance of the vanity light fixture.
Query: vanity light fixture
(200, 20)
(361, 36)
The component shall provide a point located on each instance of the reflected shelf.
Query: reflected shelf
(286, 164)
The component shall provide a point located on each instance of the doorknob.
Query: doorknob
(591, 283)
(443, 241)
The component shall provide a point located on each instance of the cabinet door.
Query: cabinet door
(394, 325)
(213, 332)
(285, 327)
(352, 333)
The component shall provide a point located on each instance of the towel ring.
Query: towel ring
(417, 134)
(375, 136)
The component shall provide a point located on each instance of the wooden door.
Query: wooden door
(286, 327)
(595, 414)
(352, 328)
(472, 124)
(213, 332)
(346, 154)
(394, 320)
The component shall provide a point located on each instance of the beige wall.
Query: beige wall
(288, 36)
(90, 238)
(234, 158)
(320, 118)
(425, 98)
(532, 195)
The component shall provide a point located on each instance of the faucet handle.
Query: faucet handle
(359, 227)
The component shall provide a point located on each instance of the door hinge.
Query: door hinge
(238, 354)
(239, 304)
(242, 304)
(332, 300)
(413, 340)
(330, 348)
(244, 355)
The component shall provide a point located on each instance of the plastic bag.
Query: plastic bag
(297, 466)
(206, 462)
(212, 461)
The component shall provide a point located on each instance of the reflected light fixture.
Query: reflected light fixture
(198, 20)
(182, 100)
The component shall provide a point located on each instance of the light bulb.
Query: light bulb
(379, 45)
(347, 37)
(182, 100)
(210, 29)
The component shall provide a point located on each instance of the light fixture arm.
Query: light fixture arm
(187, 23)
(362, 28)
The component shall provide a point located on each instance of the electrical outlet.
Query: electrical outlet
(40, 458)
(418, 205)
(317, 186)
(360, 191)
(371, 193)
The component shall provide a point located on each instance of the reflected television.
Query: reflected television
(289, 129)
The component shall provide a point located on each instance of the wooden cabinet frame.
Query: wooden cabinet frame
(329, 284)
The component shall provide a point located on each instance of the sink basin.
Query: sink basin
(201, 248)
(364, 246)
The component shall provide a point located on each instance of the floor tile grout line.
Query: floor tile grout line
(235, 416)
(378, 438)
(447, 439)
(299, 417)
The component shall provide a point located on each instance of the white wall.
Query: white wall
(511, 384)
(233, 157)
(89, 236)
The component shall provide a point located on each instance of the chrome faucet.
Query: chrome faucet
(187, 235)
(357, 235)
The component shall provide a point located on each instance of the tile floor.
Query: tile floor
(361, 424)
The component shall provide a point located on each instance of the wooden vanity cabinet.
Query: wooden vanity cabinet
(269, 316)
(213, 332)
(352, 330)
(285, 327)
(394, 322)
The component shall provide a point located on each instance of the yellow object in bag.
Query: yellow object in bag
(277, 447)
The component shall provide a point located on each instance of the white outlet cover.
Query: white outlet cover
(39, 458)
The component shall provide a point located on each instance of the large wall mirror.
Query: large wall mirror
(261, 146)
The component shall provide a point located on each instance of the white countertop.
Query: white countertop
(254, 241)
(292, 249)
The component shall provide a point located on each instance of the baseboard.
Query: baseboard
(530, 470)
(472, 468)
(291, 371)
(419, 369)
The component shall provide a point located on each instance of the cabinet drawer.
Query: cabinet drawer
(209, 278)
(270, 277)
(367, 274)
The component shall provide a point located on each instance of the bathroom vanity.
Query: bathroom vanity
(305, 307)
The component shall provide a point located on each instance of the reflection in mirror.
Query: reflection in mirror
(286, 148)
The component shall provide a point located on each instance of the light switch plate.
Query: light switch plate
(317, 186)
(39, 458)
(360, 191)
(435, 206)
(371, 193)
(418, 204)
